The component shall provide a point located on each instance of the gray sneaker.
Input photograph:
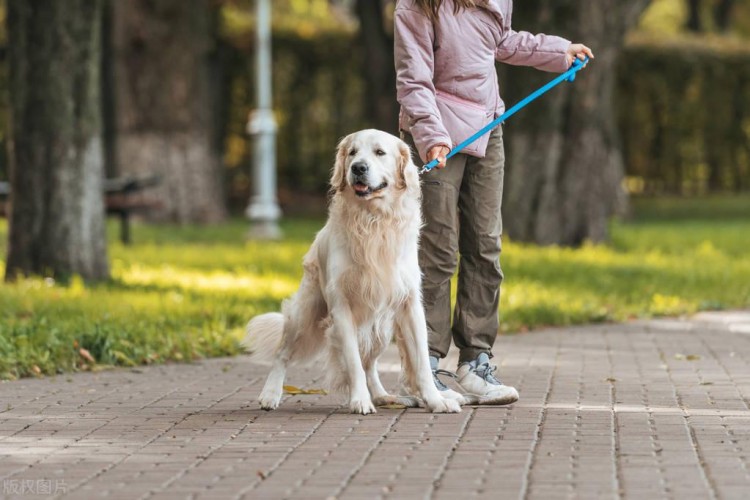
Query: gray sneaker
(478, 378)
(445, 391)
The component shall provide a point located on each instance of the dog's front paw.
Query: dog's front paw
(362, 406)
(269, 400)
(444, 405)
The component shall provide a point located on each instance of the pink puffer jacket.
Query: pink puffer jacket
(446, 79)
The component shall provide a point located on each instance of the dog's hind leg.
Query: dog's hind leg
(267, 339)
(295, 345)
(381, 397)
(373, 382)
(271, 395)
(301, 339)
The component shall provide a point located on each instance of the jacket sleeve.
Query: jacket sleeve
(522, 48)
(415, 90)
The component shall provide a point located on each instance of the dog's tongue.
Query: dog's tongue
(361, 188)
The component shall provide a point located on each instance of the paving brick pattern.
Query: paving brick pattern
(652, 409)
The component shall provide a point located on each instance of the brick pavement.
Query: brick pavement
(650, 409)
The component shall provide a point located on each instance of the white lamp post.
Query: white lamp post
(263, 210)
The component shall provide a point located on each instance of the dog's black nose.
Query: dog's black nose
(359, 168)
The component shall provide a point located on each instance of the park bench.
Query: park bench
(122, 197)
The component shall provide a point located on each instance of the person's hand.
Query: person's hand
(578, 50)
(439, 152)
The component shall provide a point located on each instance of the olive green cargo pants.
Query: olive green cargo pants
(461, 210)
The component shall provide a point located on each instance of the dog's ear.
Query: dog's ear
(338, 176)
(408, 177)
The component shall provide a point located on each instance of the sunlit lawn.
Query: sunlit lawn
(186, 293)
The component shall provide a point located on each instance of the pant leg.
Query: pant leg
(438, 246)
(475, 320)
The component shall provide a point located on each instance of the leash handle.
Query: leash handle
(569, 76)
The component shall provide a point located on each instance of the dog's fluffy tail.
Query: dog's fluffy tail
(263, 335)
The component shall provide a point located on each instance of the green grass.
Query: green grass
(182, 293)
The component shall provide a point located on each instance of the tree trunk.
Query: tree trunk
(694, 23)
(381, 107)
(163, 120)
(723, 14)
(57, 211)
(108, 97)
(564, 166)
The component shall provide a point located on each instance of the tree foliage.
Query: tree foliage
(666, 18)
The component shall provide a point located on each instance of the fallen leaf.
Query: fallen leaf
(290, 389)
(688, 357)
(86, 355)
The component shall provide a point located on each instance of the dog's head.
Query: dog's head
(371, 164)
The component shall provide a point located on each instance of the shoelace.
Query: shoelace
(439, 383)
(486, 371)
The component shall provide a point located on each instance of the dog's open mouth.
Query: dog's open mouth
(361, 189)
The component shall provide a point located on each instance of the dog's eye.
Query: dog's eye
(352, 152)
(380, 152)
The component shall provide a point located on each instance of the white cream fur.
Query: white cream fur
(361, 286)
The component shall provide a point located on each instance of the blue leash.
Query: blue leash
(569, 76)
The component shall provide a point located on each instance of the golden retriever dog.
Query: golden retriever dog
(361, 286)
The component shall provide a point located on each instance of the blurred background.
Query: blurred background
(147, 102)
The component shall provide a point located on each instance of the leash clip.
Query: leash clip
(429, 166)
